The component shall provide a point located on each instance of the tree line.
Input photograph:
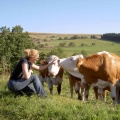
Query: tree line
(111, 37)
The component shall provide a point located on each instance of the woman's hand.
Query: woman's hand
(30, 71)
(53, 61)
(47, 65)
(27, 73)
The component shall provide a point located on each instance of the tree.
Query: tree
(75, 37)
(93, 36)
(12, 45)
(4, 29)
(17, 29)
(59, 38)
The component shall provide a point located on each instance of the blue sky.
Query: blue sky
(62, 16)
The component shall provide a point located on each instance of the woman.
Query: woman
(22, 78)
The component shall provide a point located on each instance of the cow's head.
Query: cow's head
(68, 64)
(54, 68)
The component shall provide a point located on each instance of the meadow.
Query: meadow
(60, 107)
(84, 44)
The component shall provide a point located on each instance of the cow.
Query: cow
(100, 67)
(75, 83)
(51, 80)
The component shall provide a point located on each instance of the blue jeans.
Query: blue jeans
(32, 84)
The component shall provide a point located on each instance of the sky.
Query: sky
(62, 16)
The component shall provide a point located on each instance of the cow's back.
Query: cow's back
(98, 67)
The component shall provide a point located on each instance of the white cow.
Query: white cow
(51, 80)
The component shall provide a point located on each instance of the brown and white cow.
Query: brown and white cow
(75, 83)
(101, 66)
(95, 69)
(51, 80)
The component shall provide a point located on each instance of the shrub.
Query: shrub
(71, 44)
(75, 37)
(62, 44)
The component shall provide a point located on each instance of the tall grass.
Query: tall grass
(54, 107)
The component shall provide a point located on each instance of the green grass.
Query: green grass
(100, 45)
(55, 107)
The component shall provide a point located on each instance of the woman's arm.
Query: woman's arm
(36, 67)
(27, 73)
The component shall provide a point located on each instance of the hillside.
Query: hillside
(42, 36)
(45, 42)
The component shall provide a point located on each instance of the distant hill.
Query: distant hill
(40, 37)
(45, 35)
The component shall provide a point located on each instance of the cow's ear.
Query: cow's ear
(58, 61)
(79, 62)
(81, 56)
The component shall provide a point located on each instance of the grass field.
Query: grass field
(60, 107)
(55, 107)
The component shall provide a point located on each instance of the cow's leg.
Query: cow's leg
(84, 89)
(83, 93)
(71, 86)
(113, 93)
(100, 93)
(51, 88)
(118, 90)
(77, 90)
(41, 80)
(59, 89)
(96, 92)
(104, 94)
(50, 85)
(87, 88)
(117, 93)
